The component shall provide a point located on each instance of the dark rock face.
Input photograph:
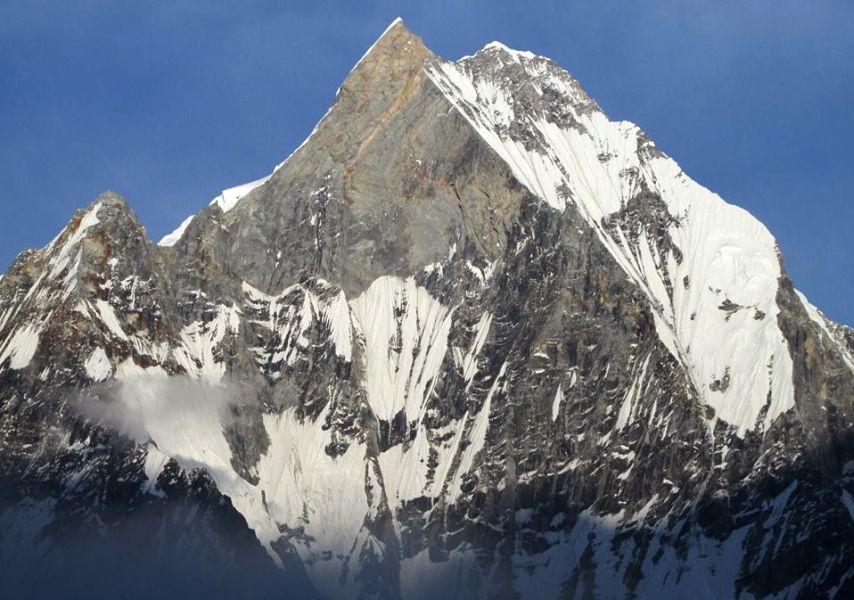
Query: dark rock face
(471, 338)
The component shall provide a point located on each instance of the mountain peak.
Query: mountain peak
(396, 41)
(111, 198)
(469, 313)
(498, 46)
(396, 22)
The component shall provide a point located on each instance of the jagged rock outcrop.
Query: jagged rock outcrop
(471, 337)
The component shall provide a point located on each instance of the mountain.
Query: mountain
(471, 337)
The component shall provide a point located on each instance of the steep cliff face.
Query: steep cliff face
(471, 337)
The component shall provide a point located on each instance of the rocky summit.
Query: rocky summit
(471, 338)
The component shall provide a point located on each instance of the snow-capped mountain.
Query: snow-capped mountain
(471, 337)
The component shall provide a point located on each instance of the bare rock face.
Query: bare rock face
(470, 338)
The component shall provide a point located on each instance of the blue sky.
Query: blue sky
(168, 103)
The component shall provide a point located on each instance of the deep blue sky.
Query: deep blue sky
(169, 104)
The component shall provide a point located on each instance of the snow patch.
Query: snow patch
(469, 362)
(405, 332)
(171, 239)
(108, 318)
(21, 346)
(155, 460)
(556, 403)
(97, 366)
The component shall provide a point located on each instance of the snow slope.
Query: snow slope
(712, 280)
